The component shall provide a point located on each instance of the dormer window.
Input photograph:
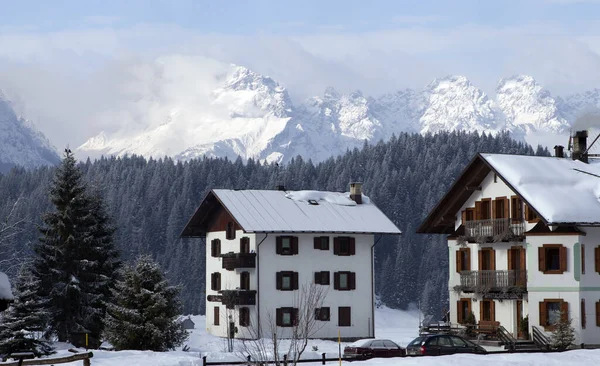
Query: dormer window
(230, 231)
(313, 202)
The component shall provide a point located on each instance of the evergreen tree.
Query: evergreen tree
(563, 334)
(75, 256)
(24, 322)
(146, 310)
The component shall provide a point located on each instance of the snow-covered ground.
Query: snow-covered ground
(400, 326)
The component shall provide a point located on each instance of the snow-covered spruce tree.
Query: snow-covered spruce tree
(24, 323)
(75, 259)
(144, 315)
(563, 334)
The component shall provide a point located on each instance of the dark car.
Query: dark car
(442, 344)
(367, 348)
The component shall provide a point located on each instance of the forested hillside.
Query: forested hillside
(151, 200)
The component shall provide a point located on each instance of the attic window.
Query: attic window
(313, 202)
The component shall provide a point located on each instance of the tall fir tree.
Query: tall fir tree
(76, 259)
(145, 313)
(24, 323)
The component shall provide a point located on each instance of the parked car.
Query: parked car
(442, 344)
(367, 348)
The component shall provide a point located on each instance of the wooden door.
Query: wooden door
(519, 312)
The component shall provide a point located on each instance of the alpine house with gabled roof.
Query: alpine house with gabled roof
(262, 246)
(524, 240)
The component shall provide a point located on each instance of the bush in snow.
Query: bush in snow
(145, 313)
(563, 334)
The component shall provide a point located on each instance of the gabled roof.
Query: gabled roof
(561, 191)
(270, 211)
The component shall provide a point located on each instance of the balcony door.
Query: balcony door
(516, 264)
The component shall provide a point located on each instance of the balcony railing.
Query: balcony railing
(232, 260)
(231, 298)
(495, 229)
(512, 281)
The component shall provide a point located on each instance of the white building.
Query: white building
(265, 246)
(524, 240)
(6, 295)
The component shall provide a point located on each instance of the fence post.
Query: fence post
(284, 360)
(323, 358)
(87, 362)
(203, 360)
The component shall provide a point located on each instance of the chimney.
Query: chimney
(356, 192)
(580, 146)
(558, 151)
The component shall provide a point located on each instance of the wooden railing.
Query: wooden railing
(540, 339)
(232, 260)
(495, 229)
(493, 280)
(231, 298)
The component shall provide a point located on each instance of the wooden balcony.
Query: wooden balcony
(506, 284)
(232, 260)
(231, 298)
(494, 230)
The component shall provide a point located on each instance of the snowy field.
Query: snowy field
(399, 326)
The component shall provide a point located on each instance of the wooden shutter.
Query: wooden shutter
(344, 316)
(294, 240)
(216, 315)
(509, 256)
(294, 280)
(213, 283)
(294, 316)
(597, 259)
(564, 308)
(244, 317)
(598, 313)
(336, 246)
(278, 280)
(478, 210)
(543, 313)
(317, 242)
(480, 259)
(527, 213)
(467, 265)
(336, 280)
(279, 317)
(522, 264)
(542, 259)
(325, 278)
(245, 245)
(582, 259)
(352, 245)
(463, 216)
(506, 208)
(495, 212)
(218, 281)
(492, 259)
(459, 264)
(352, 281)
(583, 313)
(278, 245)
(318, 277)
(563, 259)
(212, 249)
(459, 312)
(493, 310)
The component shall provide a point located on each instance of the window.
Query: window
(583, 313)
(344, 245)
(245, 245)
(230, 232)
(344, 316)
(552, 258)
(215, 281)
(286, 245)
(322, 314)
(530, 215)
(286, 317)
(215, 248)
(582, 259)
(463, 309)
(463, 259)
(244, 316)
(245, 281)
(322, 278)
(458, 342)
(322, 243)
(552, 311)
(216, 316)
(468, 215)
(487, 310)
(483, 209)
(287, 281)
(500, 208)
(344, 281)
(516, 208)
(487, 259)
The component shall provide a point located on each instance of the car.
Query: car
(442, 344)
(368, 348)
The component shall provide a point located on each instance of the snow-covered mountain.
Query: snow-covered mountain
(250, 115)
(20, 142)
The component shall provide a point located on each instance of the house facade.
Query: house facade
(524, 241)
(266, 250)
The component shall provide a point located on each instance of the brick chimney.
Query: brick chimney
(356, 192)
(559, 151)
(580, 146)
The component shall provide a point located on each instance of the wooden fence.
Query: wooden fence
(85, 357)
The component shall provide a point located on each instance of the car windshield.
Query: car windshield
(416, 341)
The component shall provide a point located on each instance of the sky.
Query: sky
(64, 64)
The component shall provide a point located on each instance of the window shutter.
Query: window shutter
(541, 259)
(318, 277)
(216, 315)
(295, 316)
(583, 313)
(480, 260)
(506, 209)
(495, 212)
(278, 280)
(352, 244)
(463, 217)
(598, 313)
(212, 249)
(509, 256)
(527, 213)
(493, 259)
(543, 319)
(597, 259)
(317, 242)
(478, 210)
(459, 312)
(318, 314)
(582, 259)
(218, 281)
(279, 317)
(493, 310)
(467, 266)
(564, 308)
(295, 280)
(294, 245)
(563, 259)
(522, 264)
(352, 281)
(278, 245)
(459, 265)
(336, 280)
(336, 246)
(212, 282)
(325, 278)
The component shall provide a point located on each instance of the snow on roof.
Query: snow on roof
(5, 292)
(304, 211)
(561, 190)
